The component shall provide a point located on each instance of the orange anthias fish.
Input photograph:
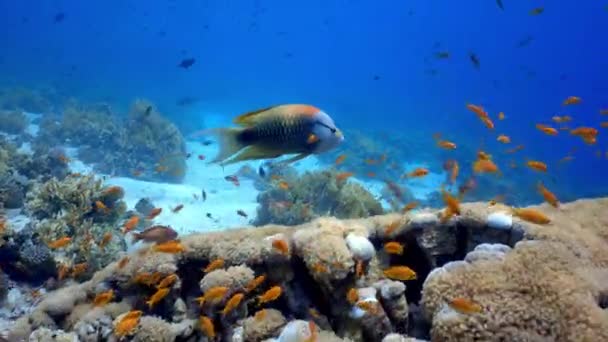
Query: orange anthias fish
(503, 139)
(103, 298)
(59, 243)
(531, 215)
(561, 119)
(572, 100)
(340, 159)
(130, 224)
(408, 207)
(465, 306)
(481, 113)
(257, 281)
(207, 326)
(393, 247)
(107, 237)
(233, 303)
(157, 297)
(216, 294)
(448, 145)
(128, 323)
(537, 165)
(214, 265)
(281, 245)
(454, 172)
(352, 296)
(276, 131)
(501, 116)
(485, 166)
(418, 172)
(272, 294)
(402, 273)
(167, 281)
(283, 185)
(488, 122)
(342, 176)
(548, 130)
(548, 195)
(169, 247)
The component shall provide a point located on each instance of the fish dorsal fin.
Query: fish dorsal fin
(250, 118)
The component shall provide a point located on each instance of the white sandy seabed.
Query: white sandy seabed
(223, 197)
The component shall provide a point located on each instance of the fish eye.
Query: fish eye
(333, 130)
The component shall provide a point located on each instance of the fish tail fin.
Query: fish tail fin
(228, 141)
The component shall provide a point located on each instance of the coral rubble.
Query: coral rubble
(327, 280)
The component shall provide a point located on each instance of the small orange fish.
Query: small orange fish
(454, 172)
(62, 271)
(531, 215)
(59, 243)
(177, 208)
(128, 323)
(340, 159)
(537, 165)
(451, 202)
(367, 306)
(157, 297)
(566, 159)
(483, 155)
(79, 269)
(232, 303)
(107, 237)
(393, 247)
(485, 166)
(604, 124)
(515, 149)
(207, 326)
(216, 294)
(101, 207)
(272, 294)
(465, 306)
(283, 185)
(548, 130)
(255, 283)
(260, 315)
(503, 139)
(406, 208)
(603, 111)
(167, 281)
(63, 158)
(371, 174)
(342, 176)
(153, 213)
(214, 265)
(448, 145)
(572, 100)
(123, 262)
(103, 298)
(548, 195)
(352, 296)
(402, 273)
(130, 224)
(418, 172)
(481, 113)
(359, 269)
(172, 247)
(488, 122)
(281, 245)
(501, 116)
(561, 119)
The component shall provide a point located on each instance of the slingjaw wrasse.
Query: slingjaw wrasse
(275, 131)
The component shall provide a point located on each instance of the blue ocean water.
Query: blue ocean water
(371, 64)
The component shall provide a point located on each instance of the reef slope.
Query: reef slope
(532, 282)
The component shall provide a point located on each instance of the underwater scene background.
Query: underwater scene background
(456, 118)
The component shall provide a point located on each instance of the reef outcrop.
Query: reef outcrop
(336, 280)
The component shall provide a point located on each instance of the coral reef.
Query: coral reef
(31, 100)
(144, 144)
(329, 280)
(73, 231)
(12, 122)
(295, 200)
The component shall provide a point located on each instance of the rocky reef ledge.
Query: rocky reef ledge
(523, 282)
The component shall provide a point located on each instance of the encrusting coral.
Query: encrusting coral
(295, 200)
(523, 282)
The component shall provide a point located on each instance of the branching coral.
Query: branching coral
(313, 195)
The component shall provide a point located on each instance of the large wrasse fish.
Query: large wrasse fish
(276, 131)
